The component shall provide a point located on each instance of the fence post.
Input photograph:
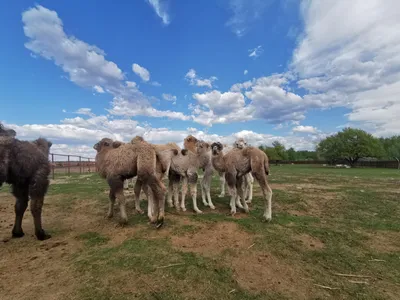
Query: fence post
(52, 164)
(68, 166)
(80, 165)
(89, 164)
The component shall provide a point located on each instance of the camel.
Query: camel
(117, 162)
(25, 165)
(238, 162)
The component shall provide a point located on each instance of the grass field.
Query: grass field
(335, 234)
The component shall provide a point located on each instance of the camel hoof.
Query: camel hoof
(159, 223)
(42, 235)
(233, 213)
(123, 222)
(170, 205)
(205, 204)
(248, 201)
(198, 212)
(221, 196)
(267, 219)
(183, 208)
(212, 206)
(139, 211)
(17, 234)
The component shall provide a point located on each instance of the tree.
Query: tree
(392, 148)
(350, 144)
(291, 153)
(280, 150)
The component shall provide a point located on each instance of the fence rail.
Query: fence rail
(71, 164)
(388, 164)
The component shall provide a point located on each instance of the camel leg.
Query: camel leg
(249, 197)
(184, 191)
(137, 188)
(206, 183)
(267, 193)
(117, 185)
(21, 194)
(175, 188)
(170, 193)
(203, 191)
(222, 183)
(230, 178)
(126, 184)
(241, 193)
(192, 178)
(37, 192)
(111, 196)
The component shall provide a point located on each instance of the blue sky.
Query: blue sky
(291, 70)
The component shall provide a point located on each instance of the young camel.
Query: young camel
(184, 167)
(248, 181)
(165, 153)
(236, 164)
(121, 161)
(203, 151)
(25, 166)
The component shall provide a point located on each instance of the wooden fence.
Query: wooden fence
(67, 164)
(389, 164)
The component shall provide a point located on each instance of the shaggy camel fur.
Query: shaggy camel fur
(121, 161)
(26, 167)
(249, 180)
(203, 151)
(183, 167)
(236, 164)
(165, 153)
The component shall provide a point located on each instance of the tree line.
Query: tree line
(348, 145)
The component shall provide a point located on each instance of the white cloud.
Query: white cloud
(256, 52)
(141, 72)
(85, 64)
(305, 129)
(98, 89)
(169, 97)
(245, 72)
(221, 103)
(160, 7)
(77, 136)
(85, 111)
(131, 84)
(245, 13)
(194, 79)
(121, 107)
(357, 65)
(155, 83)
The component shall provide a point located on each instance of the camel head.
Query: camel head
(104, 144)
(202, 146)
(189, 142)
(137, 139)
(240, 143)
(43, 145)
(216, 148)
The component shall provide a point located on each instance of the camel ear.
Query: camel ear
(106, 144)
(96, 147)
(207, 145)
(50, 144)
(116, 144)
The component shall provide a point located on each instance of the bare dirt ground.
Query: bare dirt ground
(209, 256)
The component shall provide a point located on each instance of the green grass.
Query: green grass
(336, 209)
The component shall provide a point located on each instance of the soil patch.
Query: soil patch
(263, 272)
(213, 239)
(311, 243)
(384, 241)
